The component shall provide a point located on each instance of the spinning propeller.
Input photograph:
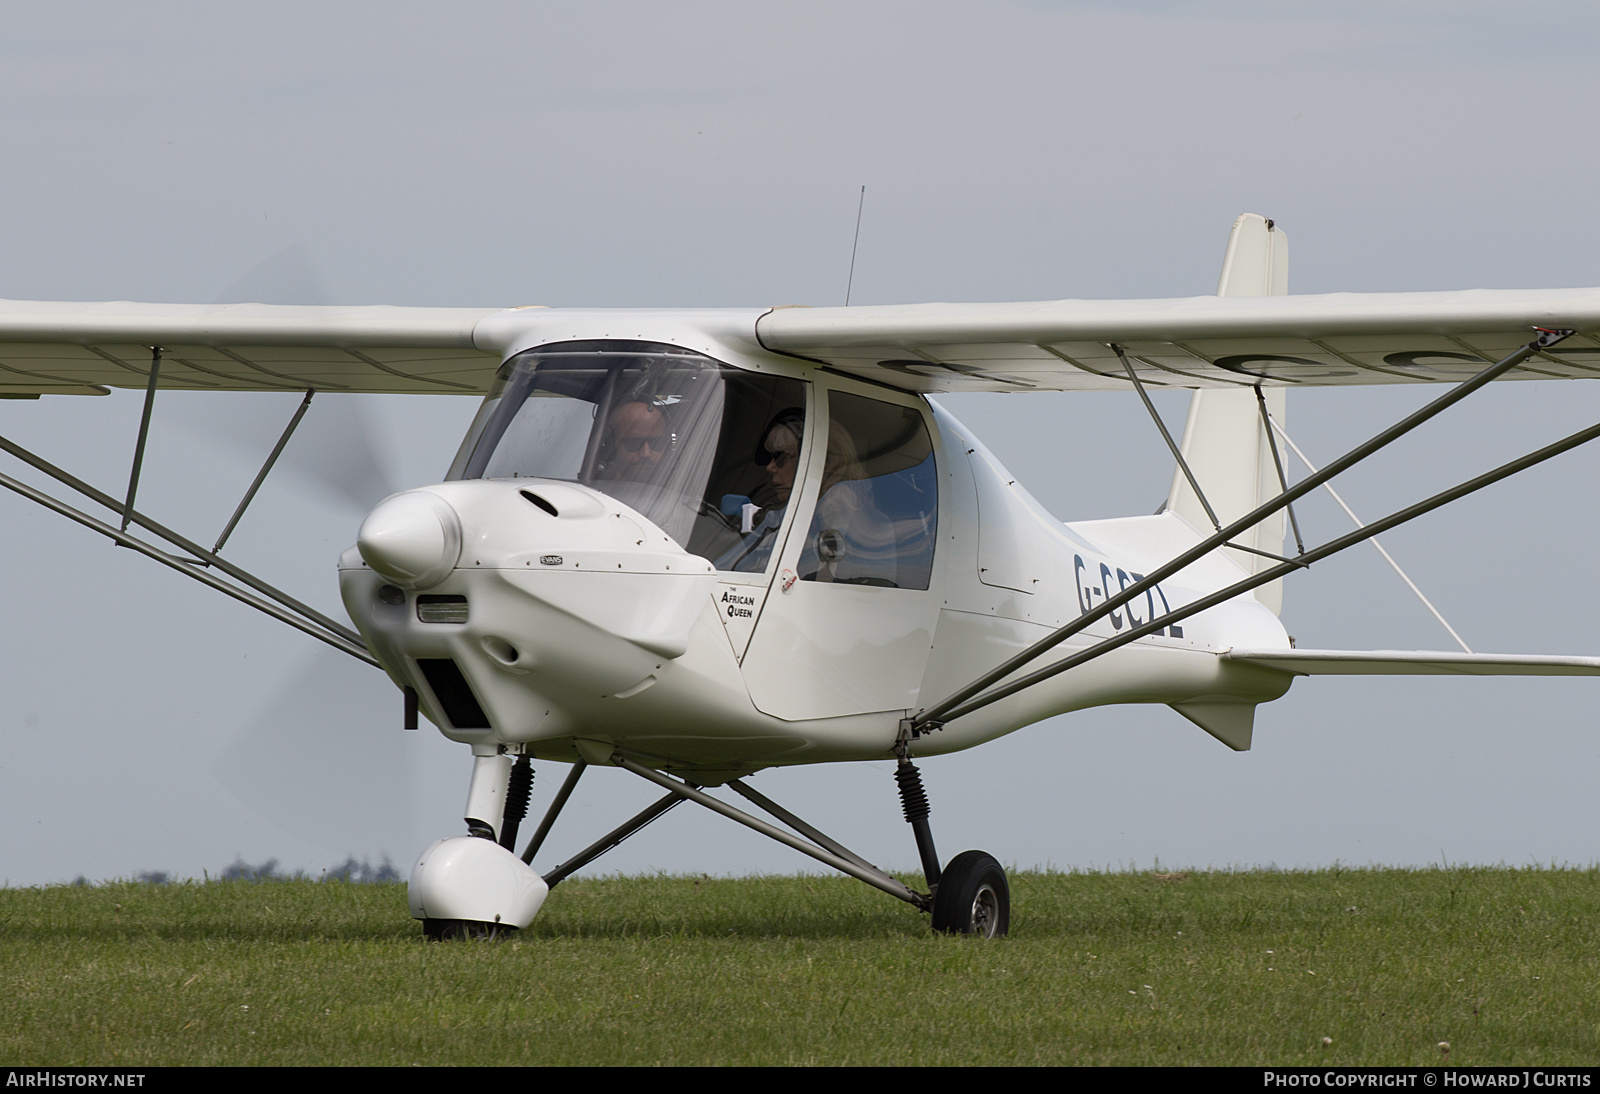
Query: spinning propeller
(360, 792)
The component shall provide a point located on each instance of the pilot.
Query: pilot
(780, 455)
(639, 440)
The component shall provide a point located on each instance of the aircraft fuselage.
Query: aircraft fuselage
(836, 589)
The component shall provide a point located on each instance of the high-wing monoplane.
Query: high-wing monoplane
(695, 544)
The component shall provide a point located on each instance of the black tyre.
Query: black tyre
(972, 897)
(464, 930)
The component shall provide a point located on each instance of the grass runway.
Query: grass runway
(1199, 968)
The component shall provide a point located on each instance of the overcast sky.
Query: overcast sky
(712, 154)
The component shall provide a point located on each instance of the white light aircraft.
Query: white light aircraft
(695, 544)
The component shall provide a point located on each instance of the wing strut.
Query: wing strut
(261, 476)
(1277, 461)
(1177, 453)
(184, 566)
(975, 695)
(1184, 464)
(199, 552)
(1271, 574)
(144, 433)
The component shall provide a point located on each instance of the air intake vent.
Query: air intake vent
(442, 609)
(541, 502)
(454, 693)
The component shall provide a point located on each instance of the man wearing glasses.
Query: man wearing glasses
(639, 439)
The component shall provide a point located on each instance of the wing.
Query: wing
(1415, 663)
(65, 348)
(1345, 338)
(1194, 342)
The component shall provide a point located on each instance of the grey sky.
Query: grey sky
(665, 154)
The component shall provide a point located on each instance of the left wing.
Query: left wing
(1195, 342)
(1415, 663)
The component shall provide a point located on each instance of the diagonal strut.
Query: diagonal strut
(1272, 573)
(941, 711)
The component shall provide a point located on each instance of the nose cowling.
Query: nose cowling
(561, 598)
(414, 539)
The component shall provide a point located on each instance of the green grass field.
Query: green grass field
(1218, 968)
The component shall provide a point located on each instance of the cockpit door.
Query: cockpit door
(847, 627)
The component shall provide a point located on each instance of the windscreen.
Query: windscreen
(671, 433)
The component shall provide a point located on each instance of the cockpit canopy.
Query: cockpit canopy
(669, 432)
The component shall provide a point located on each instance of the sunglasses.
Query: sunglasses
(657, 444)
(780, 458)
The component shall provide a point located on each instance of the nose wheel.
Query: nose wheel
(464, 930)
(972, 897)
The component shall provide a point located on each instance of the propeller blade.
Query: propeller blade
(327, 761)
(336, 448)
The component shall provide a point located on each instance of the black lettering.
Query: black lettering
(1105, 580)
(1122, 580)
(1149, 603)
(1172, 628)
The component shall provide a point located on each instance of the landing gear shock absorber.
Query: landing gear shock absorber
(518, 789)
(914, 801)
(971, 895)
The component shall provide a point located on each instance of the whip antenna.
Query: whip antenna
(854, 243)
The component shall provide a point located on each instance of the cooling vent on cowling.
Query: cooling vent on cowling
(455, 696)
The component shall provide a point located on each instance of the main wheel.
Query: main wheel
(972, 897)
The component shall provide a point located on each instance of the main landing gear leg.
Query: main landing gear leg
(914, 803)
(475, 886)
(970, 895)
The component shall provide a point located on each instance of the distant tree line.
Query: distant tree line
(360, 872)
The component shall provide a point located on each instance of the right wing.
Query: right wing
(84, 349)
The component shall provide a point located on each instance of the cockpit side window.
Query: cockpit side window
(877, 515)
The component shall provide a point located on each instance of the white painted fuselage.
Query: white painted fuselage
(568, 615)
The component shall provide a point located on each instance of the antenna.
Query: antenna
(855, 243)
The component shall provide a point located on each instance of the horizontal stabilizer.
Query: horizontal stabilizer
(1415, 663)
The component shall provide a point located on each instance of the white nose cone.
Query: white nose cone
(412, 538)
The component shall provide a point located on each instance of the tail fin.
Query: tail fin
(1224, 440)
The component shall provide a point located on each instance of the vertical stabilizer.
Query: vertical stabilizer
(1224, 440)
